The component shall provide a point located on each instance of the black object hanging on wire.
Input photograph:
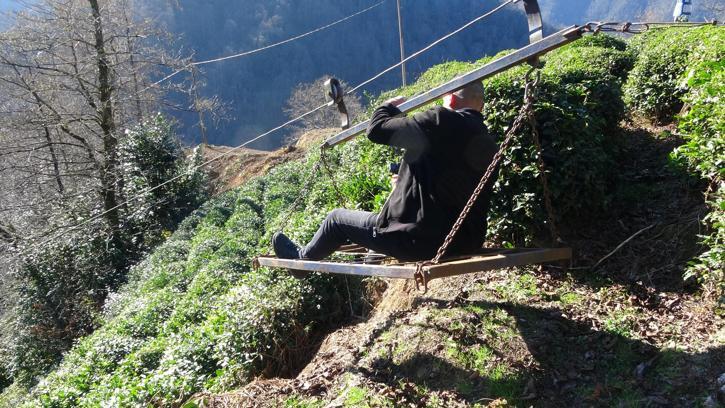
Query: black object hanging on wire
(335, 93)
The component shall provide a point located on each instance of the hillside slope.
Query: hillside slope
(233, 167)
(622, 327)
(624, 334)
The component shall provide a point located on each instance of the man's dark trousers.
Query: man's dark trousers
(358, 227)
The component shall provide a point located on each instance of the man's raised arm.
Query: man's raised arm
(389, 126)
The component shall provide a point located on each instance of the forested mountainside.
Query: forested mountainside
(636, 320)
(579, 11)
(256, 88)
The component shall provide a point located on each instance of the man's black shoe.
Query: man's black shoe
(286, 249)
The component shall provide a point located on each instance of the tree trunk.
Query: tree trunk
(109, 170)
(54, 158)
(198, 107)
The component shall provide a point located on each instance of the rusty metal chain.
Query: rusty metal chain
(636, 27)
(531, 116)
(326, 166)
(526, 111)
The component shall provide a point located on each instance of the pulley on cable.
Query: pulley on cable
(334, 91)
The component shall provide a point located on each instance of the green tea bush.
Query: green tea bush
(703, 127)
(655, 87)
(576, 62)
(579, 104)
(681, 70)
(600, 40)
(595, 74)
(196, 316)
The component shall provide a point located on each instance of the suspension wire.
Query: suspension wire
(433, 44)
(266, 47)
(156, 187)
(260, 136)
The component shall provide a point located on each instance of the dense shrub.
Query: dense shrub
(600, 40)
(682, 70)
(577, 107)
(151, 155)
(576, 62)
(703, 126)
(580, 104)
(195, 315)
(63, 287)
(62, 284)
(655, 87)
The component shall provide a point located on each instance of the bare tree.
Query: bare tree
(73, 74)
(74, 78)
(308, 96)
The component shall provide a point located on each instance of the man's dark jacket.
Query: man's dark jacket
(446, 153)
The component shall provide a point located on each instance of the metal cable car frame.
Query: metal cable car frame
(485, 259)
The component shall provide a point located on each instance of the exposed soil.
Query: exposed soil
(239, 165)
(619, 328)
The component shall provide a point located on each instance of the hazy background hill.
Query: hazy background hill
(255, 88)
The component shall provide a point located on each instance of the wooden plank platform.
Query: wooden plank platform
(491, 259)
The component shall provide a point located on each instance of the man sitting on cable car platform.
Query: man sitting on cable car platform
(446, 151)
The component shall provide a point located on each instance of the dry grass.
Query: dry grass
(240, 165)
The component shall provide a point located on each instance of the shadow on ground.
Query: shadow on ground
(656, 204)
(560, 362)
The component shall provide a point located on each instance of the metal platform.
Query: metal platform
(488, 260)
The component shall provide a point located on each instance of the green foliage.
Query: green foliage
(655, 86)
(151, 155)
(677, 67)
(62, 289)
(195, 315)
(600, 40)
(434, 76)
(577, 62)
(703, 126)
(63, 283)
(367, 182)
(579, 103)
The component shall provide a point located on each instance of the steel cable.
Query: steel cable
(75, 227)
(433, 44)
(266, 47)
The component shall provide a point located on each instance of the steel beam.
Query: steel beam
(498, 261)
(533, 17)
(500, 258)
(517, 57)
(398, 272)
